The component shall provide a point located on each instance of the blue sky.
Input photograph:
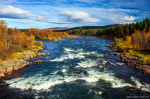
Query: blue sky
(72, 13)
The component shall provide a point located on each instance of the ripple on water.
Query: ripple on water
(90, 67)
(39, 81)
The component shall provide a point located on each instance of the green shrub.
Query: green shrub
(38, 37)
(38, 43)
(21, 50)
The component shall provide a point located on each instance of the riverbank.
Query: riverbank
(76, 65)
(131, 60)
(8, 66)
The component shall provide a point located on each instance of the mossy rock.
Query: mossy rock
(103, 81)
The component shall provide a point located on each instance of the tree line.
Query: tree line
(45, 34)
(120, 31)
(137, 34)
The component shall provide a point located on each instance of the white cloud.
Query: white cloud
(17, 13)
(131, 18)
(116, 15)
(78, 17)
(123, 20)
(7, 1)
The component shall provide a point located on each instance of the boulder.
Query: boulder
(114, 49)
(27, 57)
(10, 69)
(38, 62)
(108, 46)
(108, 50)
(10, 65)
(48, 54)
(2, 75)
(43, 54)
(17, 67)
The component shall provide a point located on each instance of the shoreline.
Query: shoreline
(129, 59)
(8, 66)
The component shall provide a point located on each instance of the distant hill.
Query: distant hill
(62, 29)
(57, 28)
(93, 27)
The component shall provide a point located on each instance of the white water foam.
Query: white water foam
(139, 85)
(64, 70)
(73, 54)
(41, 82)
(87, 63)
(119, 63)
(116, 64)
(68, 49)
(95, 75)
(69, 56)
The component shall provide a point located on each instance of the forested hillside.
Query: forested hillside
(120, 31)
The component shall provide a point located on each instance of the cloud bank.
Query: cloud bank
(17, 13)
(123, 20)
(72, 13)
(68, 17)
(78, 17)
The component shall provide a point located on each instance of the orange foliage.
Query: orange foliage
(46, 34)
(12, 41)
(141, 39)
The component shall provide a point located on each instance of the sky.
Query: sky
(42, 14)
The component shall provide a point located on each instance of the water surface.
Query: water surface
(78, 68)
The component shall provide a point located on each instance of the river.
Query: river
(78, 68)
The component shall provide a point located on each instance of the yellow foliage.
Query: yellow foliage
(14, 56)
(131, 50)
(38, 43)
(145, 57)
(46, 34)
(124, 44)
(44, 38)
(0, 62)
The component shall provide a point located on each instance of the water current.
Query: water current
(78, 68)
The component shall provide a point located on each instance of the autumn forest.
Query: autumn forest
(12, 40)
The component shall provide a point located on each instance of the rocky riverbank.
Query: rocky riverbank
(130, 59)
(7, 66)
